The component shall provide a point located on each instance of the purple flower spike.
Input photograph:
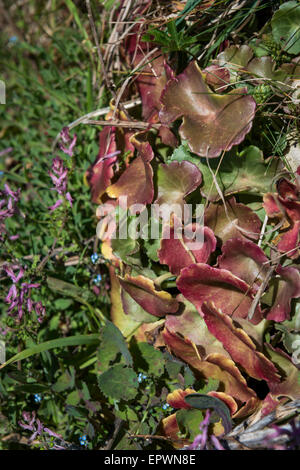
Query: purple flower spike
(14, 237)
(52, 433)
(19, 297)
(66, 139)
(12, 294)
(33, 424)
(65, 135)
(10, 273)
(29, 305)
(8, 207)
(59, 176)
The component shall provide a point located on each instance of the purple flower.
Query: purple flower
(56, 205)
(14, 237)
(201, 440)
(29, 420)
(13, 194)
(40, 311)
(293, 436)
(59, 176)
(216, 443)
(19, 297)
(12, 294)
(69, 198)
(65, 135)
(52, 433)
(33, 424)
(8, 206)
(66, 139)
(29, 305)
(10, 272)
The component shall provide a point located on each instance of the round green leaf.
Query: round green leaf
(119, 382)
(286, 27)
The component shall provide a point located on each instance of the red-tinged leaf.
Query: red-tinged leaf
(289, 241)
(151, 77)
(201, 250)
(239, 345)
(247, 409)
(176, 398)
(268, 405)
(290, 382)
(170, 429)
(174, 253)
(191, 326)
(256, 332)
(99, 175)
(111, 139)
(287, 190)
(291, 208)
(175, 181)
(288, 288)
(285, 204)
(150, 332)
(201, 283)
(143, 291)
(211, 122)
(215, 366)
(233, 221)
(245, 260)
(123, 135)
(134, 310)
(151, 82)
(167, 136)
(136, 183)
(217, 77)
(270, 206)
(226, 364)
(178, 251)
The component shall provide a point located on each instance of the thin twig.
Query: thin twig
(110, 85)
(98, 112)
(118, 424)
(126, 124)
(126, 82)
(262, 232)
(260, 291)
